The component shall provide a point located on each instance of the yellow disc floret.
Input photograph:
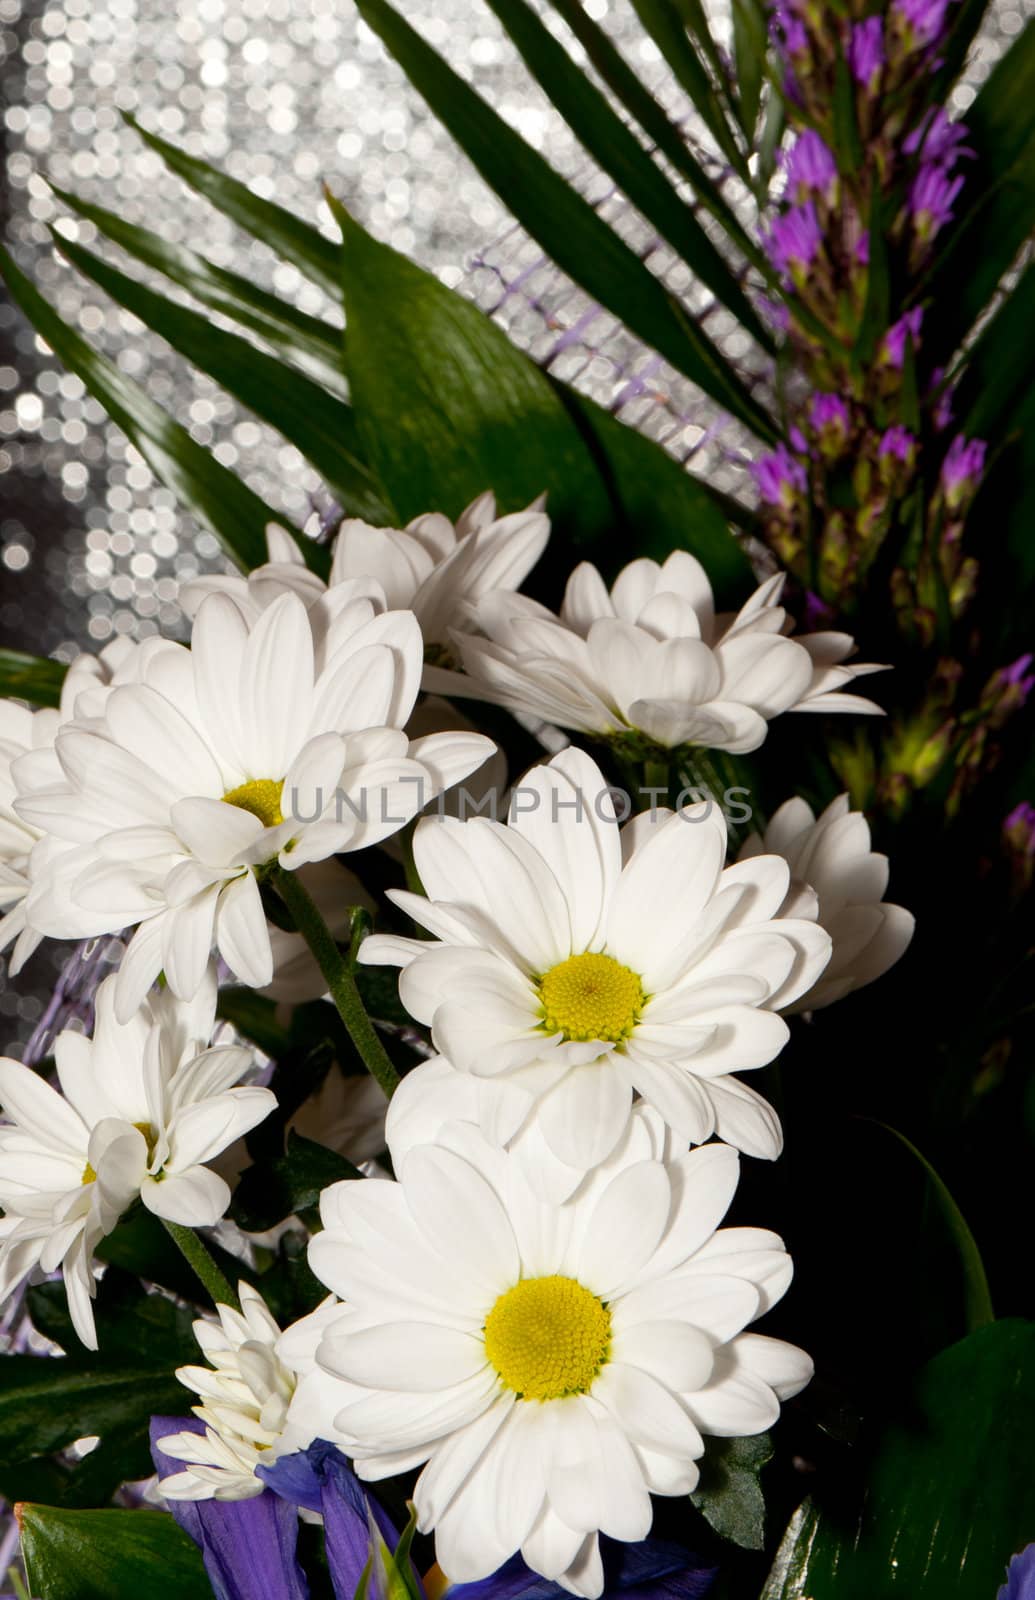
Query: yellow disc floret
(591, 996)
(260, 796)
(89, 1176)
(548, 1337)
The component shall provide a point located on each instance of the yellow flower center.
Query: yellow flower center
(260, 796)
(89, 1176)
(548, 1337)
(591, 997)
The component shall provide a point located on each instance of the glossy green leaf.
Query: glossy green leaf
(141, 1246)
(34, 678)
(750, 46)
(665, 507)
(269, 1191)
(447, 407)
(655, 122)
(321, 426)
(662, 20)
(306, 340)
(565, 225)
(621, 155)
(109, 1555)
(216, 496)
(729, 1494)
(285, 233)
(943, 1492)
(998, 371)
(995, 213)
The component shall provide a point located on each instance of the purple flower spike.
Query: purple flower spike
(894, 348)
(962, 469)
(866, 52)
(938, 139)
(779, 478)
(795, 239)
(931, 200)
(811, 169)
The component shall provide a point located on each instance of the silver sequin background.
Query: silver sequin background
(284, 94)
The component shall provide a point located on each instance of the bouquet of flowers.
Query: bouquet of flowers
(485, 980)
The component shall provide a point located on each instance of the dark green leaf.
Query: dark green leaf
(565, 225)
(233, 511)
(291, 238)
(32, 678)
(847, 141)
(109, 1555)
(977, 1299)
(998, 372)
(321, 426)
(447, 407)
(296, 335)
(875, 315)
(655, 122)
(661, 19)
(729, 1494)
(750, 44)
(944, 1492)
(141, 1246)
(667, 508)
(996, 210)
(269, 1191)
(611, 144)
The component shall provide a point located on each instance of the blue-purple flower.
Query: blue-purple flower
(931, 199)
(961, 470)
(866, 52)
(896, 456)
(830, 422)
(779, 478)
(920, 21)
(795, 239)
(893, 349)
(811, 169)
(937, 138)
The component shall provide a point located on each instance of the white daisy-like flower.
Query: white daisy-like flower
(649, 659)
(23, 732)
(431, 567)
(554, 1365)
(256, 1402)
(838, 879)
(278, 740)
(143, 1106)
(575, 963)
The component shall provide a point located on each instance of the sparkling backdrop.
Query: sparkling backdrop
(283, 94)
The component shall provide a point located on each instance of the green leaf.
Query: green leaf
(109, 1555)
(847, 141)
(219, 499)
(655, 122)
(667, 507)
(141, 1246)
(875, 315)
(307, 340)
(621, 155)
(304, 246)
(661, 19)
(269, 1191)
(944, 1493)
(34, 678)
(565, 225)
(321, 426)
(998, 371)
(977, 1299)
(447, 407)
(729, 1494)
(996, 211)
(750, 47)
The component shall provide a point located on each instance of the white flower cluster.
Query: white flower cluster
(540, 1309)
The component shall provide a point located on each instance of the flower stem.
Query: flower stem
(196, 1252)
(340, 982)
(657, 779)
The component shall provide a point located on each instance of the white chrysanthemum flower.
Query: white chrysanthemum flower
(650, 659)
(431, 567)
(259, 1400)
(838, 879)
(143, 1107)
(554, 1365)
(575, 963)
(23, 732)
(275, 741)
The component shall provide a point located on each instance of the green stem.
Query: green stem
(341, 984)
(195, 1251)
(657, 775)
